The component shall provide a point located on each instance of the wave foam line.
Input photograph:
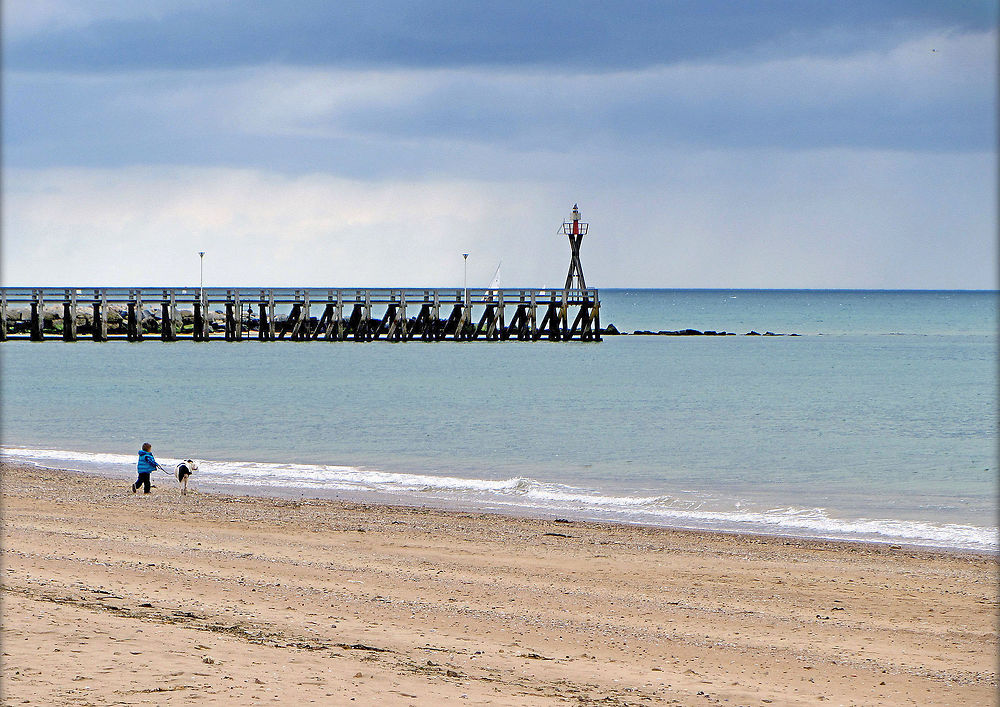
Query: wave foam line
(520, 493)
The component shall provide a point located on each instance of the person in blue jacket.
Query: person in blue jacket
(147, 464)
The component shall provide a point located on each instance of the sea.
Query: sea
(878, 423)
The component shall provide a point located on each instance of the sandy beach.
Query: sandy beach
(110, 598)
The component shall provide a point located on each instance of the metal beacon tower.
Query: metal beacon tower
(576, 231)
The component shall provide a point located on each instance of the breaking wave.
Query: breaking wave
(520, 495)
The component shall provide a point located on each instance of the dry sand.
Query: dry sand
(110, 598)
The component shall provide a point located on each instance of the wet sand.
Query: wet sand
(110, 598)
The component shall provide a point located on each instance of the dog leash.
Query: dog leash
(169, 473)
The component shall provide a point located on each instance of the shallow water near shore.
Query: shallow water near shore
(878, 423)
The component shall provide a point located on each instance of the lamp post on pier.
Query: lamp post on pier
(465, 277)
(200, 313)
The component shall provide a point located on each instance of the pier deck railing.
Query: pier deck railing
(298, 314)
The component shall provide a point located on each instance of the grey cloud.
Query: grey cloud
(580, 34)
(447, 121)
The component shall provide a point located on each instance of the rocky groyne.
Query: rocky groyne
(611, 330)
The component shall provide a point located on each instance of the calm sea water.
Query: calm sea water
(878, 423)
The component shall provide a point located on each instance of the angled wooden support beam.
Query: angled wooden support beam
(422, 324)
(402, 321)
(488, 323)
(355, 321)
(265, 308)
(454, 323)
(550, 313)
(518, 327)
(369, 326)
(300, 324)
(341, 330)
(290, 325)
(590, 321)
(564, 314)
(554, 315)
(437, 326)
(388, 323)
(326, 323)
(583, 323)
(552, 323)
(394, 322)
(532, 318)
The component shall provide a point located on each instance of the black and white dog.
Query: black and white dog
(184, 470)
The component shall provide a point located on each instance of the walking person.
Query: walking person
(146, 465)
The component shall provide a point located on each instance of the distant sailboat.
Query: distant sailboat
(494, 288)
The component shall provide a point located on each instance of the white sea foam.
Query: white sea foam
(519, 494)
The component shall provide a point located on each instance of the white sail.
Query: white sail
(494, 288)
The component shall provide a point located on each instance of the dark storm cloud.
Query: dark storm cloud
(589, 35)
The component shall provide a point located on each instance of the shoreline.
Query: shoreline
(110, 597)
(388, 500)
(482, 502)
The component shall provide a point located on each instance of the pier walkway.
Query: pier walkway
(298, 314)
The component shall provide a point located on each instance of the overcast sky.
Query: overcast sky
(812, 144)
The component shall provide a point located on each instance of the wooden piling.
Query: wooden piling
(265, 329)
(168, 316)
(100, 304)
(234, 316)
(134, 321)
(37, 332)
(69, 315)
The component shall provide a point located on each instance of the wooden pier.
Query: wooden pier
(304, 314)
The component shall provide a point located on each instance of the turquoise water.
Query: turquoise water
(878, 423)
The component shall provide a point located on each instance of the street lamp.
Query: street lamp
(199, 307)
(465, 276)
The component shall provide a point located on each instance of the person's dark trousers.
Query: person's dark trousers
(143, 481)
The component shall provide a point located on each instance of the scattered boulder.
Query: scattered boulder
(17, 314)
(695, 332)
